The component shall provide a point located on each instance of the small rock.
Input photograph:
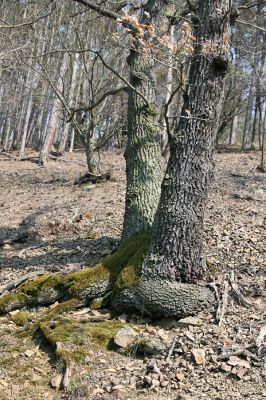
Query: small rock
(147, 379)
(14, 312)
(122, 318)
(241, 372)
(164, 383)
(167, 323)
(194, 321)
(40, 371)
(155, 383)
(151, 347)
(180, 376)
(132, 381)
(112, 370)
(96, 313)
(106, 252)
(190, 336)
(3, 383)
(236, 361)
(115, 381)
(35, 378)
(108, 388)
(56, 381)
(118, 387)
(125, 337)
(199, 356)
(53, 305)
(226, 368)
(29, 353)
(102, 361)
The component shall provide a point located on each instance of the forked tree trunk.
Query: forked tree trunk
(162, 285)
(175, 252)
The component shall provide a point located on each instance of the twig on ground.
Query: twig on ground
(260, 339)
(240, 297)
(238, 352)
(18, 282)
(221, 310)
(66, 377)
(171, 350)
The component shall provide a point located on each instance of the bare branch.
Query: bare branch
(260, 28)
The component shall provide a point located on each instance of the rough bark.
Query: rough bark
(114, 281)
(175, 252)
(143, 154)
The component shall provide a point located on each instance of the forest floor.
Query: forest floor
(50, 224)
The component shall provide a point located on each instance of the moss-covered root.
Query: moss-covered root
(73, 340)
(85, 285)
(157, 298)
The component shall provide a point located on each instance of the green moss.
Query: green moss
(127, 256)
(213, 269)
(100, 333)
(12, 301)
(61, 308)
(129, 276)
(21, 318)
(77, 338)
(46, 288)
(97, 303)
(44, 282)
(148, 120)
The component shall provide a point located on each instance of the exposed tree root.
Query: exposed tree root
(115, 280)
(93, 178)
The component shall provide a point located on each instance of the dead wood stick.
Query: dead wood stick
(92, 318)
(221, 310)
(18, 282)
(171, 350)
(23, 251)
(240, 297)
(66, 377)
(260, 339)
(239, 352)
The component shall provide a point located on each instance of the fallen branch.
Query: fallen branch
(18, 282)
(93, 178)
(238, 352)
(66, 377)
(92, 318)
(221, 310)
(260, 339)
(171, 350)
(240, 297)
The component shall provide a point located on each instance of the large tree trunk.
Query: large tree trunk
(143, 153)
(175, 252)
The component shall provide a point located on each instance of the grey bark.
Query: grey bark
(175, 252)
(143, 153)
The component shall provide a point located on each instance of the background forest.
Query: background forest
(63, 71)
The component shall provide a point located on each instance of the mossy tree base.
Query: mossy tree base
(116, 280)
